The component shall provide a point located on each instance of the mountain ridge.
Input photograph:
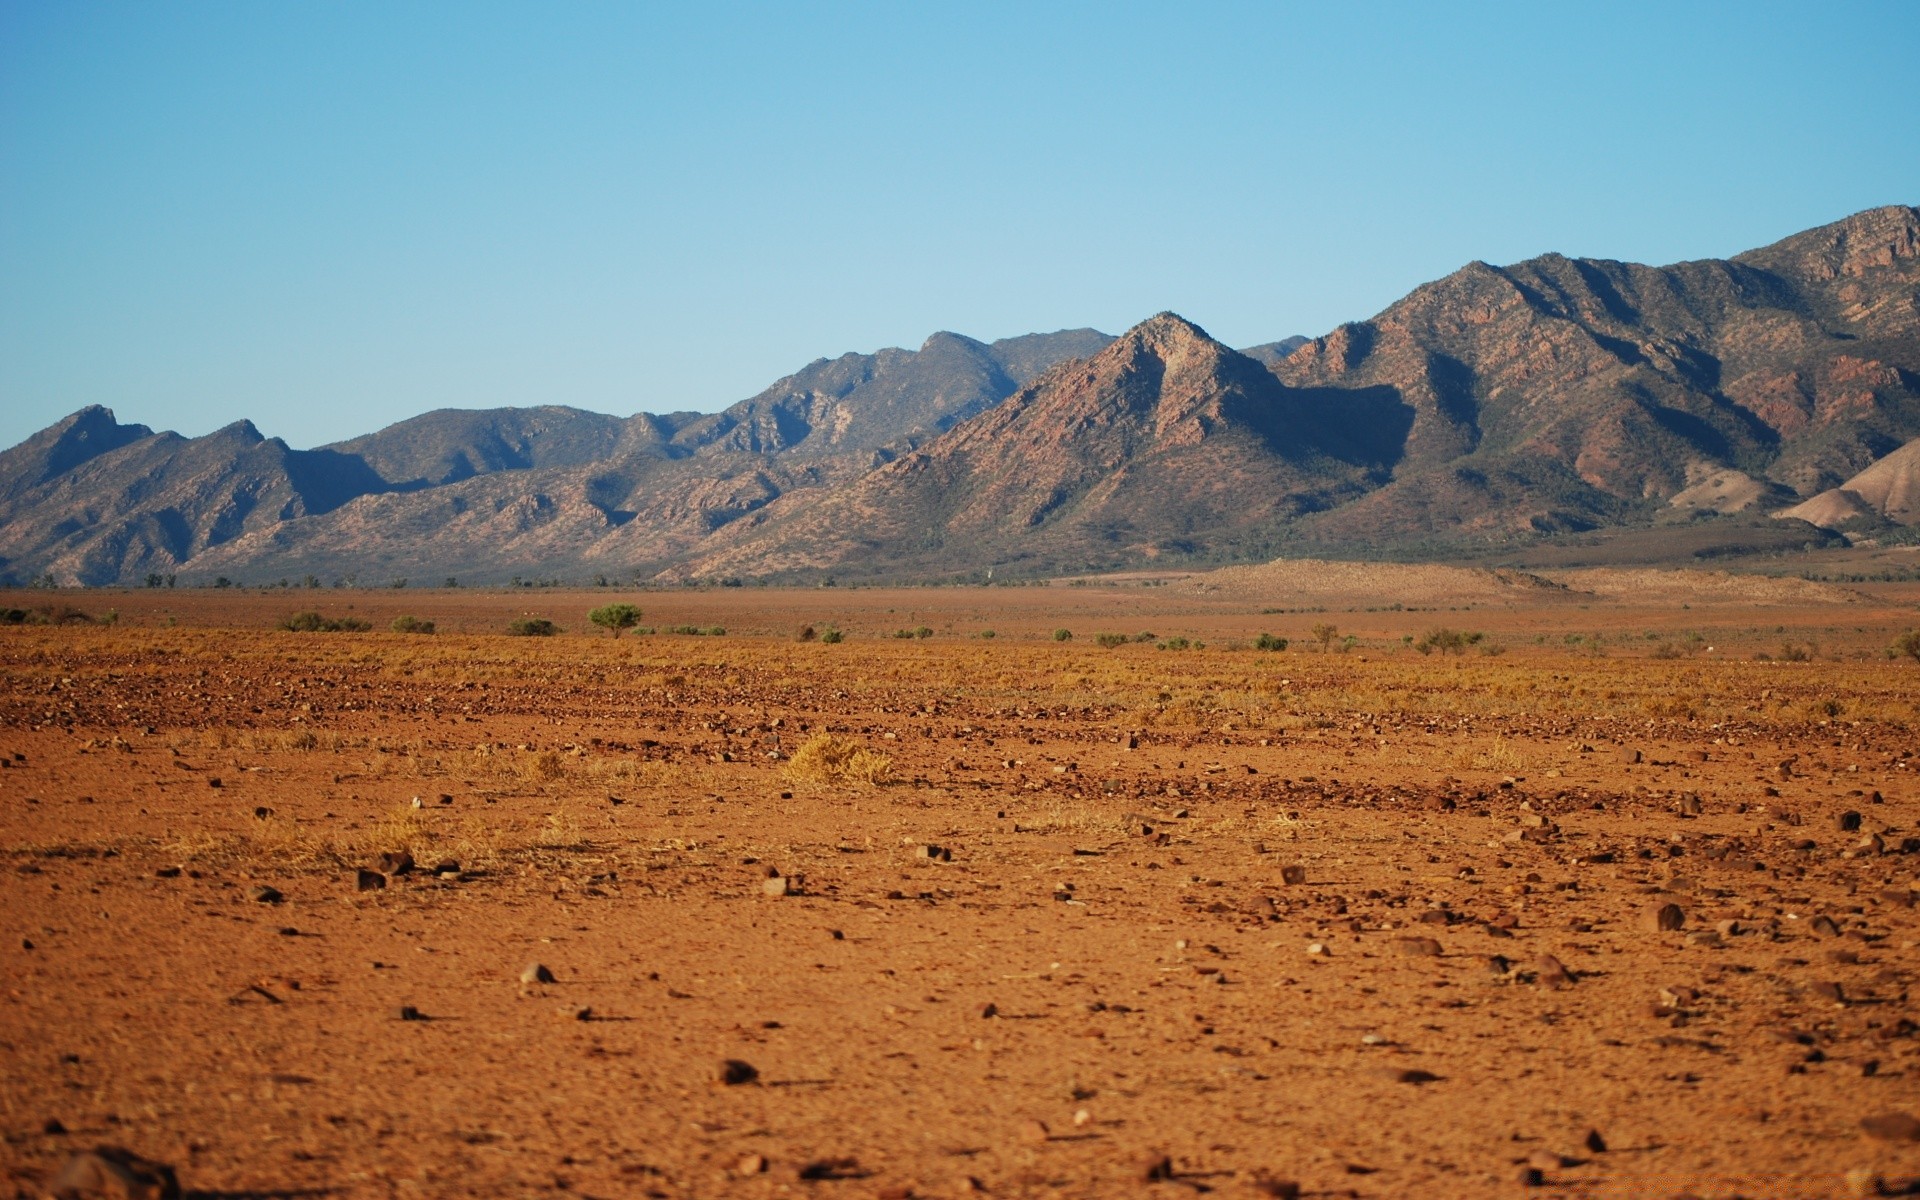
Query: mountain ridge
(1485, 408)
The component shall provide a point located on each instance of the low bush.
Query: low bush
(833, 637)
(411, 625)
(313, 622)
(1267, 641)
(1109, 641)
(532, 627)
(1063, 635)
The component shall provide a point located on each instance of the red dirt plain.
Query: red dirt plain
(1482, 865)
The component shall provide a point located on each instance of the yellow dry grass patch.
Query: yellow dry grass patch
(828, 759)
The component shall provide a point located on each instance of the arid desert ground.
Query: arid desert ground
(1608, 893)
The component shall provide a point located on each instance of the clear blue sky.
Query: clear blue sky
(329, 216)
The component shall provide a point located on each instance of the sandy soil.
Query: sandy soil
(1117, 921)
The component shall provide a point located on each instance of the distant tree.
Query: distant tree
(154, 579)
(615, 617)
(1324, 633)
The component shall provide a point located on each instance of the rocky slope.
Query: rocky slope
(1161, 441)
(1562, 393)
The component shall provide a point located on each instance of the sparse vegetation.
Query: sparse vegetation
(1446, 641)
(1063, 635)
(313, 622)
(1324, 633)
(832, 637)
(411, 625)
(1268, 641)
(1908, 644)
(532, 627)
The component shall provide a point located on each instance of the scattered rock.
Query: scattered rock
(989, 1009)
(1034, 1133)
(1848, 821)
(752, 1164)
(408, 1012)
(733, 1072)
(1824, 925)
(1419, 946)
(1664, 919)
(1534, 1176)
(1594, 1143)
(1296, 873)
(396, 862)
(1893, 1127)
(370, 881)
(536, 973)
(265, 895)
(1154, 1167)
(1629, 756)
(1281, 1189)
(1552, 973)
(831, 1168)
(777, 885)
(1405, 1075)
(52, 1127)
(111, 1173)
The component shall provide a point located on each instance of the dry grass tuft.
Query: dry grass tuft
(828, 759)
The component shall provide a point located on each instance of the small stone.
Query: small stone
(1824, 926)
(1552, 973)
(1729, 928)
(111, 1173)
(396, 862)
(1318, 949)
(1864, 1181)
(1422, 947)
(1629, 756)
(408, 1012)
(52, 1127)
(265, 895)
(1546, 1160)
(581, 1012)
(1294, 874)
(752, 1164)
(1155, 1167)
(369, 881)
(1829, 991)
(776, 886)
(1594, 1143)
(989, 1009)
(446, 867)
(1893, 1127)
(1848, 821)
(1534, 1176)
(1411, 1075)
(733, 1072)
(1281, 1189)
(536, 973)
(1703, 937)
(1034, 1133)
(1664, 919)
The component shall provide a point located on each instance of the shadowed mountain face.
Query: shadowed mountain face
(1487, 407)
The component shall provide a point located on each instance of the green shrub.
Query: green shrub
(533, 627)
(1908, 644)
(1446, 641)
(1267, 641)
(1109, 641)
(833, 637)
(411, 625)
(615, 617)
(807, 634)
(1063, 635)
(922, 631)
(313, 622)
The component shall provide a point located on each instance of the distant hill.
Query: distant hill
(1557, 397)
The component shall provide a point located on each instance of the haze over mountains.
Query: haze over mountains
(1488, 407)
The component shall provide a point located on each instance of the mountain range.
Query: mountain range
(1485, 409)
